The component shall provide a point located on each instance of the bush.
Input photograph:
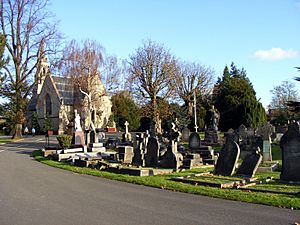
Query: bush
(64, 141)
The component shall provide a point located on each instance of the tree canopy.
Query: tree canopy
(26, 28)
(124, 109)
(234, 97)
(190, 78)
(282, 95)
(152, 68)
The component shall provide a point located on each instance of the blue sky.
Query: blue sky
(260, 35)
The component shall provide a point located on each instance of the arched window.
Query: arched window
(48, 104)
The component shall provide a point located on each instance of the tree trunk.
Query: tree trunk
(190, 109)
(18, 132)
(155, 118)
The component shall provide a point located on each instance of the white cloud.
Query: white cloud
(275, 54)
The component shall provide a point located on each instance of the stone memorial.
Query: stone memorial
(171, 159)
(250, 164)
(127, 135)
(185, 134)
(290, 148)
(139, 150)
(212, 134)
(265, 132)
(192, 161)
(125, 153)
(194, 141)
(152, 154)
(229, 155)
(78, 135)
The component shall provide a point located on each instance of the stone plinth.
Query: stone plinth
(126, 154)
(96, 147)
(78, 138)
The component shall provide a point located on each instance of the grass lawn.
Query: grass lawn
(165, 182)
(5, 140)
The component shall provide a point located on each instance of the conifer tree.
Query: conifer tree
(235, 99)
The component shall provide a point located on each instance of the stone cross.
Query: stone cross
(126, 126)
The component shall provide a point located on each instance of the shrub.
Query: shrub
(64, 141)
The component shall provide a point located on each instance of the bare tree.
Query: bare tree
(152, 69)
(25, 25)
(190, 78)
(82, 64)
(281, 96)
(113, 74)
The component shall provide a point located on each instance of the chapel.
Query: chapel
(58, 97)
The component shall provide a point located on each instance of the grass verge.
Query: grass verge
(5, 140)
(164, 182)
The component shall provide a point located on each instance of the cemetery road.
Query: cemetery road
(33, 193)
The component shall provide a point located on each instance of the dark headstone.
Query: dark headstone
(194, 141)
(249, 165)
(152, 152)
(290, 147)
(192, 161)
(185, 134)
(138, 149)
(171, 159)
(228, 157)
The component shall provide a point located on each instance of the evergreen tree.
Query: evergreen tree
(125, 109)
(234, 97)
(35, 123)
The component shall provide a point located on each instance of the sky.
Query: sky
(261, 36)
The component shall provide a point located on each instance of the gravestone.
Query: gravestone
(290, 148)
(152, 152)
(139, 148)
(194, 141)
(229, 155)
(126, 154)
(265, 132)
(171, 159)
(185, 134)
(192, 161)
(250, 164)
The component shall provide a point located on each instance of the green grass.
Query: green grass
(164, 182)
(5, 140)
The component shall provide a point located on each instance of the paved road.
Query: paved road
(33, 193)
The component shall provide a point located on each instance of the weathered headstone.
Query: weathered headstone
(126, 154)
(290, 148)
(228, 157)
(171, 159)
(194, 141)
(192, 161)
(139, 148)
(265, 132)
(185, 134)
(152, 152)
(250, 164)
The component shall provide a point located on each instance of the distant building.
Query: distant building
(58, 97)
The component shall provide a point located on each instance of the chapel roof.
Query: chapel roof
(65, 88)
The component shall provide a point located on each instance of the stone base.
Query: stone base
(192, 161)
(211, 136)
(78, 138)
(96, 147)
